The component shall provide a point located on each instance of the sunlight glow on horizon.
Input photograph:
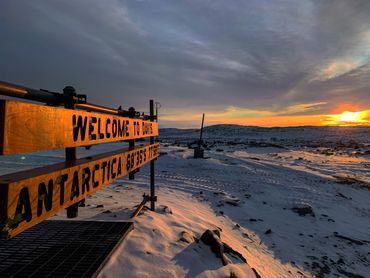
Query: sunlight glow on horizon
(345, 118)
(348, 118)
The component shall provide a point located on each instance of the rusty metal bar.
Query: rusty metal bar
(58, 99)
(12, 90)
(141, 206)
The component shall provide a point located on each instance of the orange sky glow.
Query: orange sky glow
(345, 118)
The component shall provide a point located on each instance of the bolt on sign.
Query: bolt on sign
(31, 196)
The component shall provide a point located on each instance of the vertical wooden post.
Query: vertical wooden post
(71, 153)
(152, 173)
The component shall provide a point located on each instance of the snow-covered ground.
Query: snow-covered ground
(292, 206)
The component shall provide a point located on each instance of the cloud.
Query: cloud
(333, 70)
(280, 57)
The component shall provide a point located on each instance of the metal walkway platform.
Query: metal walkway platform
(62, 249)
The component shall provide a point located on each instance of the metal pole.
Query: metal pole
(71, 153)
(152, 173)
(131, 143)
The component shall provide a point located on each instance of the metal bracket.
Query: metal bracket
(154, 198)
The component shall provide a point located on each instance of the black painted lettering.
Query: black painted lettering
(127, 128)
(114, 128)
(103, 165)
(108, 171)
(23, 210)
(61, 181)
(107, 123)
(113, 174)
(92, 122)
(86, 175)
(45, 197)
(121, 128)
(93, 181)
(132, 160)
(75, 189)
(119, 167)
(79, 127)
(141, 157)
(100, 134)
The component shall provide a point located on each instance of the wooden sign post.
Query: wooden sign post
(29, 197)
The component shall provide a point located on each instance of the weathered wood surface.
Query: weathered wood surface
(29, 197)
(27, 127)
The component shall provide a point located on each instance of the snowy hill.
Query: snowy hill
(294, 202)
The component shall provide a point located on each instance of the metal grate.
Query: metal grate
(61, 249)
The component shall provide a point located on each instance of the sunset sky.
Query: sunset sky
(255, 62)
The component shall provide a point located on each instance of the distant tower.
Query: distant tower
(198, 151)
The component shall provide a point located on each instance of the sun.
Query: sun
(348, 118)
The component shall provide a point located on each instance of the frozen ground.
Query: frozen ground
(292, 206)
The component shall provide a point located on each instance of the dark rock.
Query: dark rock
(233, 202)
(217, 232)
(340, 261)
(351, 240)
(166, 209)
(322, 270)
(228, 249)
(256, 273)
(107, 211)
(268, 232)
(187, 237)
(217, 247)
(349, 274)
(100, 206)
(302, 210)
(343, 196)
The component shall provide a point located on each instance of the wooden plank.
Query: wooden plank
(34, 195)
(27, 127)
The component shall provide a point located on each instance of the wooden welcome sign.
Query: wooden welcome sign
(27, 127)
(34, 195)
(29, 197)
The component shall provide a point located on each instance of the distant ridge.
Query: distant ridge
(300, 133)
(211, 128)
